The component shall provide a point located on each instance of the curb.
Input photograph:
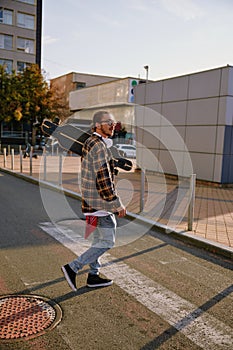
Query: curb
(184, 236)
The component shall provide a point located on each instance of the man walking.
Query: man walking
(100, 201)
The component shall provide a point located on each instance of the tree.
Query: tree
(8, 96)
(35, 95)
(59, 103)
(26, 98)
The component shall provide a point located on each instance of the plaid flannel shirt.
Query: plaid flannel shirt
(97, 177)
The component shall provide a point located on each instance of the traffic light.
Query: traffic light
(132, 84)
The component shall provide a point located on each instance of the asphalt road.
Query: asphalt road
(166, 294)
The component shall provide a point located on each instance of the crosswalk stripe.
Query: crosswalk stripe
(196, 324)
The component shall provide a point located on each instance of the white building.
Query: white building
(200, 106)
(117, 96)
(181, 120)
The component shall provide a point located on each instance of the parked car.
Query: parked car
(128, 150)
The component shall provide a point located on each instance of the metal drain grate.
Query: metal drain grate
(26, 316)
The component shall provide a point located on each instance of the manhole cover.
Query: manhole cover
(27, 316)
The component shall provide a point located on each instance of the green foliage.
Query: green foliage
(25, 97)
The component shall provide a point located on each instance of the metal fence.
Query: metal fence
(149, 193)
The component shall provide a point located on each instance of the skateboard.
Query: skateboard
(72, 138)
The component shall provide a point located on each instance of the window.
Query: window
(7, 64)
(25, 21)
(80, 85)
(6, 42)
(28, 1)
(6, 16)
(21, 66)
(25, 45)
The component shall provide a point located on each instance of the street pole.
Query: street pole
(147, 73)
(143, 172)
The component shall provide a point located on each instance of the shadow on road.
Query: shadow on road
(184, 322)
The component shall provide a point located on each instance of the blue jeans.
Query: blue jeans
(103, 239)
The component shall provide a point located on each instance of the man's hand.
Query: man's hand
(121, 213)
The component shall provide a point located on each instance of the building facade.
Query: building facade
(200, 107)
(117, 96)
(182, 124)
(20, 33)
(72, 82)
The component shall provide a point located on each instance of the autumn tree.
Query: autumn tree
(9, 96)
(59, 103)
(35, 95)
(26, 98)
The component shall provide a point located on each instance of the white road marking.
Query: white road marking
(172, 261)
(203, 329)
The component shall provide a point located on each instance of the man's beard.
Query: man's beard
(109, 132)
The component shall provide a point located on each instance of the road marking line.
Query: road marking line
(200, 327)
(172, 261)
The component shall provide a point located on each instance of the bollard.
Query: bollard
(45, 165)
(9, 150)
(31, 152)
(12, 159)
(60, 170)
(191, 201)
(142, 193)
(20, 159)
(4, 157)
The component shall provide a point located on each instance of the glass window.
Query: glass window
(80, 85)
(25, 45)
(28, 1)
(6, 42)
(25, 21)
(7, 64)
(21, 66)
(6, 16)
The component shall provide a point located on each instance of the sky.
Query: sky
(119, 38)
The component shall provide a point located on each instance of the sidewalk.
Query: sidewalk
(213, 213)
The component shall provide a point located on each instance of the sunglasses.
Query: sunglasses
(109, 122)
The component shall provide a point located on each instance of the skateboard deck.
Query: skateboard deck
(72, 138)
